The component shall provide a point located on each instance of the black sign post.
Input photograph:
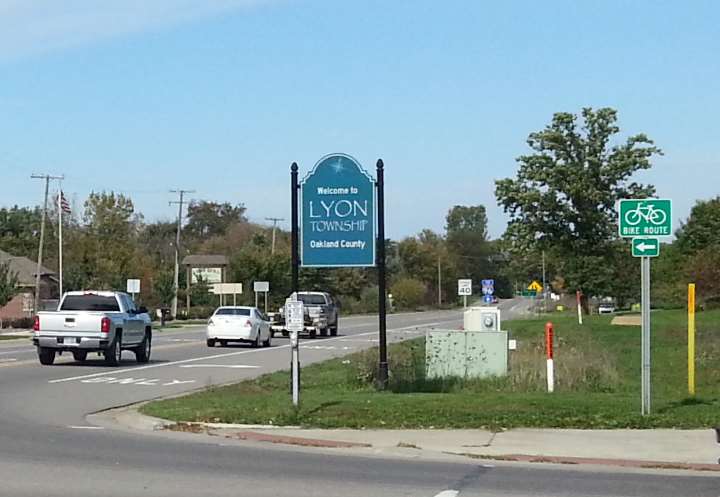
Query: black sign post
(295, 249)
(382, 311)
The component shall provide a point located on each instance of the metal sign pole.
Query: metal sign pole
(646, 356)
(464, 301)
(266, 299)
(295, 365)
(294, 241)
(382, 311)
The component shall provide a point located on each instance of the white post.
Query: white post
(579, 307)
(295, 368)
(550, 376)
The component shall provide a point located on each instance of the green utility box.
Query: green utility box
(466, 354)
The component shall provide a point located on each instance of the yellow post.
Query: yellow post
(691, 339)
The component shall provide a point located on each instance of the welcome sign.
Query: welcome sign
(338, 214)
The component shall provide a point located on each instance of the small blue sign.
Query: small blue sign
(338, 214)
(488, 287)
(487, 298)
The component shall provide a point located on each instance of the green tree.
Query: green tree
(702, 228)
(209, 219)
(408, 293)
(563, 198)
(8, 284)
(19, 231)
(467, 244)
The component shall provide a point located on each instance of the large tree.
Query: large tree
(564, 196)
(467, 244)
(8, 283)
(209, 219)
(702, 229)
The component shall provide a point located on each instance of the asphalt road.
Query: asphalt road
(48, 448)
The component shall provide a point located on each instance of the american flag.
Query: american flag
(64, 204)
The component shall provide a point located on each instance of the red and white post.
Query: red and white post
(549, 335)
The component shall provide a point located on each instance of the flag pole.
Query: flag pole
(60, 243)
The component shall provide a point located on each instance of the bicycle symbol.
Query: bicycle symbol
(647, 213)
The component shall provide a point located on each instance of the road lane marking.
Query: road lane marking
(152, 382)
(231, 366)
(448, 493)
(231, 354)
(86, 427)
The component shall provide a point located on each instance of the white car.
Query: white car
(238, 324)
(606, 308)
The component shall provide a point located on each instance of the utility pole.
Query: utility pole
(439, 283)
(275, 221)
(176, 281)
(47, 178)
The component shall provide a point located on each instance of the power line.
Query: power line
(176, 280)
(275, 221)
(47, 178)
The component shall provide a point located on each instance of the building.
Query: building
(21, 306)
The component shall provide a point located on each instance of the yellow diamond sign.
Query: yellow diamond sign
(535, 286)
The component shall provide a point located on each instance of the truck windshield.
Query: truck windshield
(90, 303)
(310, 299)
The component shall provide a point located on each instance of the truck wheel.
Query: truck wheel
(46, 356)
(80, 355)
(324, 332)
(333, 331)
(210, 342)
(113, 354)
(313, 334)
(285, 333)
(142, 353)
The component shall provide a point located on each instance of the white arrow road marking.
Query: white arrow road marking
(250, 351)
(86, 427)
(231, 366)
(448, 493)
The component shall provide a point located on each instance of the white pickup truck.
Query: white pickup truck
(89, 321)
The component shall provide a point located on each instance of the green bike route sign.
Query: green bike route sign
(645, 217)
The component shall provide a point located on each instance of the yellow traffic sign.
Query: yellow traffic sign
(535, 286)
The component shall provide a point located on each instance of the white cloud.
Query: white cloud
(32, 26)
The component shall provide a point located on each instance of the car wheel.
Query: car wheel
(313, 334)
(46, 356)
(324, 332)
(268, 342)
(80, 355)
(210, 342)
(285, 333)
(142, 353)
(223, 343)
(333, 331)
(113, 354)
(256, 342)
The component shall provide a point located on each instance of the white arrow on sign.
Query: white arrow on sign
(642, 246)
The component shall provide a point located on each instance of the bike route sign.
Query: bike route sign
(338, 214)
(645, 217)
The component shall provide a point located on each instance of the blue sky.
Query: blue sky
(221, 96)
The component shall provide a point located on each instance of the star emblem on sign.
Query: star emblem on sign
(338, 166)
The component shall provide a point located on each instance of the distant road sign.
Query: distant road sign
(133, 286)
(528, 293)
(464, 287)
(261, 286)
(645, 247)
(645, 217)
(294, 315)
(488, 287)
(227, 288)
(535, 287)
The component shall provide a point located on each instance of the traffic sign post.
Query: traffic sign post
(133, 287)
(641, 220)
(261, 287)
(294, 323)
(488, 287)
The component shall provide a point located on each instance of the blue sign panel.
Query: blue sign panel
(338, 214)
(488, 287)
(487, 298)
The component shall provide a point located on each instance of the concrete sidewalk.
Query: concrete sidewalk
(658, 449)
(650, 448)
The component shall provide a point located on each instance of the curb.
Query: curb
(623, 463)
(300, 441)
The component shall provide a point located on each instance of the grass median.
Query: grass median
(597, 385)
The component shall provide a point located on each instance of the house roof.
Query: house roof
(25, 268)
(205, 260)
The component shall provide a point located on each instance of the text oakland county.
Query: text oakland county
(339, 216)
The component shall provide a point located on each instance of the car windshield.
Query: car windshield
(310, 299)
(232, 312)
(90, 302)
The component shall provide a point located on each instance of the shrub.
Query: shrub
(408, 293)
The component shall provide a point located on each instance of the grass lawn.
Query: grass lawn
(12, 337)
(597, 373)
